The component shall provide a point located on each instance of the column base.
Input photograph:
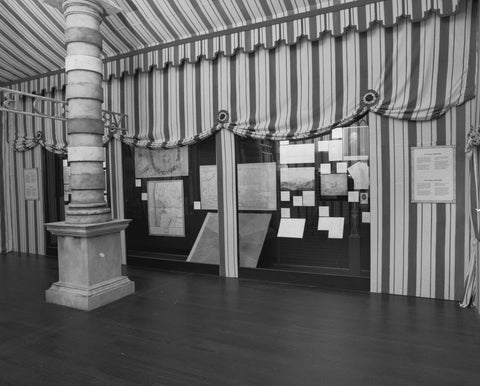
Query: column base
(89, 265)
(89, 298)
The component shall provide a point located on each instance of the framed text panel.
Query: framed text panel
(433, 174)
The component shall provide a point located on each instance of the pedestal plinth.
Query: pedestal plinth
(89, 264)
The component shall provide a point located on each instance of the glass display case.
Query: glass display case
(302, 206)
(308, 202)
(162, 198)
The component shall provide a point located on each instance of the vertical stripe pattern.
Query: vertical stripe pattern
(419, 249)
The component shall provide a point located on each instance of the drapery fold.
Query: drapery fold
(418, 70)
(358, 16)
(473, 155)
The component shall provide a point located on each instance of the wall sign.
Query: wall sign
(31, 183)
(433, 174)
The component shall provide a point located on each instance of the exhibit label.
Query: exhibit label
(433, 174)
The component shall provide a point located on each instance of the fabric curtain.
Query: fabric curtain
(415, 71)
(244, 37)
(308, 83)
(27, 131)
(473, 153)
(3, 169)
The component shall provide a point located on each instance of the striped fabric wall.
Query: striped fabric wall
(418, 249)
(155, 33)
(3, 170)
(420, 70)
(313, 26)
(23, 221)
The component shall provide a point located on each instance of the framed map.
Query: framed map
(334, 185)
(297, 178)
(161, 163)
(166, 208)
(208, 187)
(253, 228)
(257, 186)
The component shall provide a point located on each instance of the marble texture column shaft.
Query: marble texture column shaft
(84, 94)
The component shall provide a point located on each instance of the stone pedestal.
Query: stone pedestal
(90, 260)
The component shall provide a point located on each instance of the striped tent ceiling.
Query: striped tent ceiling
(32, 31)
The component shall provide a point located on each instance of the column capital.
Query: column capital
(102, 7)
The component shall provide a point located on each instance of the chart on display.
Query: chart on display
(166, 208)
(257, 186)
(161, 162)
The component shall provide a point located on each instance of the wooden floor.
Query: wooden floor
(189, 329)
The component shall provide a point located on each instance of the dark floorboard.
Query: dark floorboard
(189, 329)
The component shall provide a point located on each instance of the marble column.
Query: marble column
(89, 246)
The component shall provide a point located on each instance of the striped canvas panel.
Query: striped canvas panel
(145, 27)
(362, 18)
(23, 222)
(5, 245)
(419, 249)
(303, 90)
(53, 135)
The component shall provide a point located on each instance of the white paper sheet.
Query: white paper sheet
(284, 196)
(337, 133)
(297, 201)
(297, 154)
(322, 145)
(138, 183)
(323, 211)
(291, 227)
(144, 197)
(336, 228)
(309, 198)
(360, 174)
(353, 196)
(335, 150)
(342, 167)
(284, 142)
(285, 212)
(325, 169)
(366, 217)
(197, 205)
(324, 223)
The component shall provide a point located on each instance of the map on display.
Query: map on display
(334, 185)
(208, 187)
(165, 208)
(297, 178)
(257, 186)
(161, 162)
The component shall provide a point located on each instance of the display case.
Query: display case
(162, 198)
(315, 195)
